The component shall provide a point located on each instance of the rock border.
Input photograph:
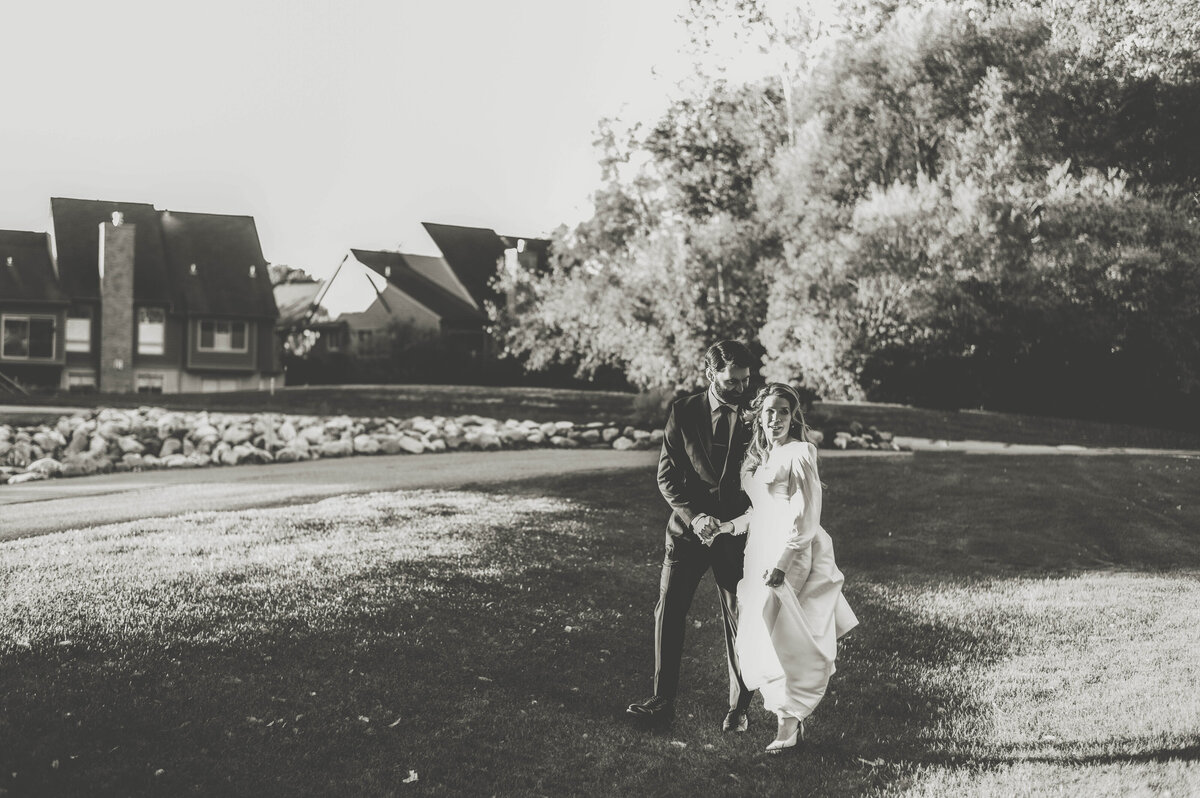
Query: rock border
(117, 439)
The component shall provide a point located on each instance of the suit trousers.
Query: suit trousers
(685, 563)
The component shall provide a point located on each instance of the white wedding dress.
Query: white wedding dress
(787, 636)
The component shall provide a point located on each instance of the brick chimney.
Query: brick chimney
(116, 306)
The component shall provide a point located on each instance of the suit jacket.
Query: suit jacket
(688, 478)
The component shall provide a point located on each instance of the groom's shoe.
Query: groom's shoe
(654, 709)
(736, 720)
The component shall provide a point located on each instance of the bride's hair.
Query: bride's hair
(756, 454)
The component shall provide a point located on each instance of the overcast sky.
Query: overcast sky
(334, 124)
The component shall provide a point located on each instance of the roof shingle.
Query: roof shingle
(223, 249)
(29, 275)
(393, 266)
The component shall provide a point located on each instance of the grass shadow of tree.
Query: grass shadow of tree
(461, 666)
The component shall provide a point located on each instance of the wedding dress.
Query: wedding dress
(787, 636)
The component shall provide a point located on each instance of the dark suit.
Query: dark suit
(693, 485)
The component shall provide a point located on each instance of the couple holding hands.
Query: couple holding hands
(746, 498)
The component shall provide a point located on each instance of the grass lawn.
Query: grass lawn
(1030, 626)
(552, 404)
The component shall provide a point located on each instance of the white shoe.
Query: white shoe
(779, 746)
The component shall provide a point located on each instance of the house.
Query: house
(123, 297)
(374, 296)
(476, 254)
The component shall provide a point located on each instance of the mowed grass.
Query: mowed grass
(1030, 626)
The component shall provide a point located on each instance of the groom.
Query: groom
(698, 474)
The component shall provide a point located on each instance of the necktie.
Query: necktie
(720, 445)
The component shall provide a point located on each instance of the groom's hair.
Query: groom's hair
(724, 354)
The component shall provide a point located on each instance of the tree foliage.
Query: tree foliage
(974, 203)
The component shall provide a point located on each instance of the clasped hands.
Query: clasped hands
(710, 528)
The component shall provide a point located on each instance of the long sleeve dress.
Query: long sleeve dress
(787, 636)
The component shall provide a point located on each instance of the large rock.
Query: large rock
(98, 445)
(338, 448)
(365, 444)
(287, 432)
(411, 445)
(49, 440)
(47, 466)
(20, 454)
(171, 446)
(610, 434)
(289, 454)
(28, 476)
(130, 445)
(236, 435)
(82, 465)
(315, 434)
(79, 441)
(563, 442)
(623, 444)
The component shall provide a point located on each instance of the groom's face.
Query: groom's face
(730, 384)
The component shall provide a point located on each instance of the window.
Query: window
(149, 382)
(28, 338)
(152, 323)
(222, 336)
(81, 381)
(79, 330)
(333, 340)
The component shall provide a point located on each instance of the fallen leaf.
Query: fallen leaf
(394, 723)
(364, 718)
(483, 678)
(679, 743)
(412, 776)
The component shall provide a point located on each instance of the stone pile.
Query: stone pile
(112, 439)
(858, 437)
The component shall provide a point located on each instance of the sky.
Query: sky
(334, 124)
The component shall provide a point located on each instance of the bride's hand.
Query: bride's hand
(773, 579)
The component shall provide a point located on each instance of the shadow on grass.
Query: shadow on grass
(502, 669)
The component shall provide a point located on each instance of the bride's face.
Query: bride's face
(775, 418)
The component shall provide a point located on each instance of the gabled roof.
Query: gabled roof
(472, 252)
(76, 230)
(223, 249)
(436, 269)
(394, 267)
(295, 301)
(26, 273)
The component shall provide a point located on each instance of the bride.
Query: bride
(791, 611)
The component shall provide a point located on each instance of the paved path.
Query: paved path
(38, 508)
(993, 447)
(41, 507)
